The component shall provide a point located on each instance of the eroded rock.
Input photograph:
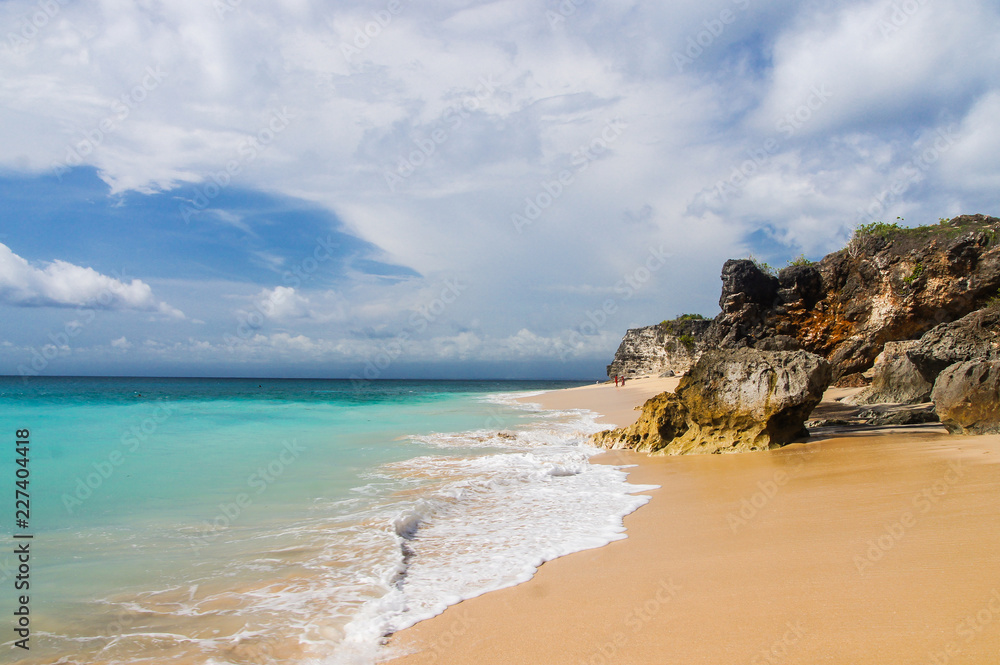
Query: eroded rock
(895, 380)
(967, 397)
(731, 401)
(974, 336)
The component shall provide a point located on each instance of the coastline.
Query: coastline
(618, 405)
(863, 549)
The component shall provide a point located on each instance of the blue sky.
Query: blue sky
(452, 189)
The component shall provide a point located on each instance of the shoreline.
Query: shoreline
(617, 406)
(853, 548)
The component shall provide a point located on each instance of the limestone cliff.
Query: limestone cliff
(671, 346)
(890, 284)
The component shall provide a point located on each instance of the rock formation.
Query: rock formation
(890, 284)
(729, 402)
(974, 336)
(966, 396)
(896, 380)
(671, 346)
(918, 300)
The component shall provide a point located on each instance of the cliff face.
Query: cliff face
(671, 346)
(889, 284)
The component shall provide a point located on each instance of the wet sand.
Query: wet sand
(859, 549)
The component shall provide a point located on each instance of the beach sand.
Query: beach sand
(859, 549)
(618, 406)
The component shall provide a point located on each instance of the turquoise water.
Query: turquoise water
(232, 521)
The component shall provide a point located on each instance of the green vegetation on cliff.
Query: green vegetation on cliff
(870, 237)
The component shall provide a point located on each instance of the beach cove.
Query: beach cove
(875, 548)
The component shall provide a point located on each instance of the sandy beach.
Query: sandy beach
(618, 405)
(858, 549)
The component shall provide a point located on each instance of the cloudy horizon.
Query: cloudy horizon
(456, 189)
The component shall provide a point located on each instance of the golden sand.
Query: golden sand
(858, 550)
(618, 406)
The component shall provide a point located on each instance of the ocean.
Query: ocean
(219, 521)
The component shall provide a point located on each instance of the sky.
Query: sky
(453, 189)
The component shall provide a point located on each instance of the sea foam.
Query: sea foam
(488, 521)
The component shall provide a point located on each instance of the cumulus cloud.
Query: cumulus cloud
(780, 128)
(63, 284)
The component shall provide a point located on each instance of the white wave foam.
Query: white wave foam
(488, 521)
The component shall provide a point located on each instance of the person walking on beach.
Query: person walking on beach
(616, 380)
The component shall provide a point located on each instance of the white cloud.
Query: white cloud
(63, 284)
(879, 66)
(121, 343)
(513, 101)
(282, 302)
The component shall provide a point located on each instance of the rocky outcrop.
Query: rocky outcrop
(975, 336)
(747, 296)
(889, 284)
(839, 415)
(671, 346)
(896, 380)
(729, 402)
(967, 395)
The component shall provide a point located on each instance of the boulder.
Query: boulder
(974, 336)
(662, 419)
(967, 397)
(895, 380)
(730, 402)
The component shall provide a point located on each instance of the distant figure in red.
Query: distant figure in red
(616, 380)
(623, 382)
